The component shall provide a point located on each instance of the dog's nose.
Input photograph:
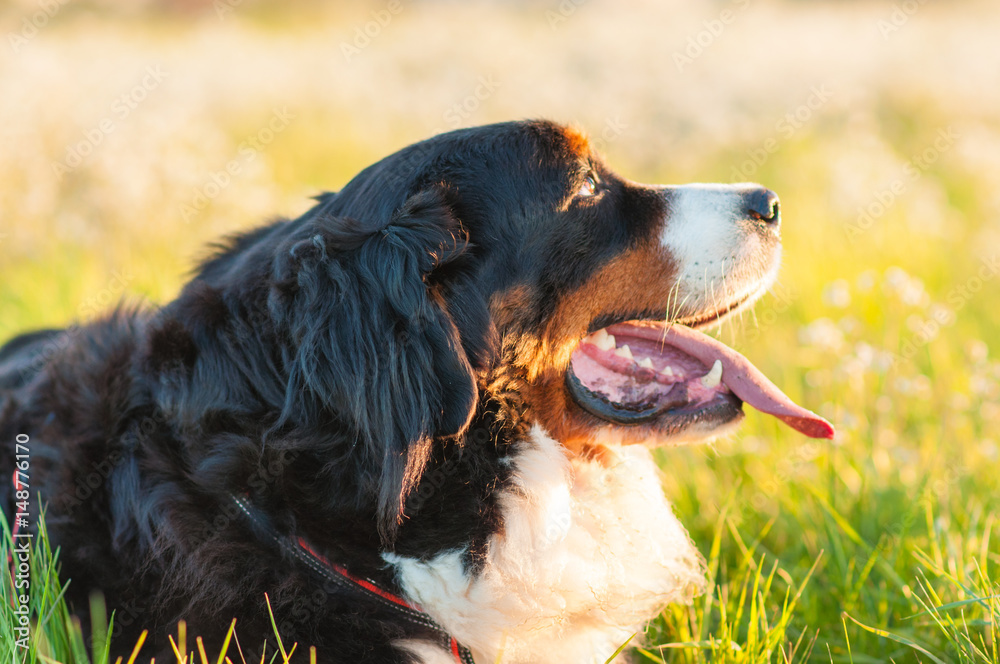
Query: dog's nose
(762, 205)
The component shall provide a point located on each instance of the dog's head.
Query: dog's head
(512, 250)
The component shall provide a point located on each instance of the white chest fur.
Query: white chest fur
(588, 554)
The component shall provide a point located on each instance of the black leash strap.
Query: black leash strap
(301, 551)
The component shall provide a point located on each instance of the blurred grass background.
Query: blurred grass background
(878, 123)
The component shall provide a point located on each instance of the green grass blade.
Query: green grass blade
(620, 650)
(895, 637)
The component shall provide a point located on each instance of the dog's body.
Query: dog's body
(413, 386)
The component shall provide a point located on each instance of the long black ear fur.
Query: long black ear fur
(372, 343)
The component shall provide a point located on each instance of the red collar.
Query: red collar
(304, 553)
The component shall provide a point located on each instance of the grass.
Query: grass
(877, 547)
(56, 635)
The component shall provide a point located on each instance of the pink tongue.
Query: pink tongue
(743, 378)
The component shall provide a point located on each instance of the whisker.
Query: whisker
(711, 291)
(671, 299)
(726, 299)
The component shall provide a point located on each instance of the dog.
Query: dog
(416, 418)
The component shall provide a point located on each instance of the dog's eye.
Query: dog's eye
(588, 188)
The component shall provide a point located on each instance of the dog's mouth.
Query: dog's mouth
(674, 378)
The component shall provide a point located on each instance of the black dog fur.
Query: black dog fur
(329, 367)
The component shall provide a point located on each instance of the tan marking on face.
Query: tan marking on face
(642, 279)
(577, 141)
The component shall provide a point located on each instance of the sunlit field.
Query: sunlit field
(132, 136)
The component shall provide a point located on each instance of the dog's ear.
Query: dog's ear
(372, 343)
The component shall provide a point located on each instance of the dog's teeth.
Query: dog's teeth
(607, 343)
(625, 352)
(645, 363)
(714, 376)
(602, 339)
(667, 371)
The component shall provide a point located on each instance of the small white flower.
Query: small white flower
(865, 281)
(837, 294)
(977, 351)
